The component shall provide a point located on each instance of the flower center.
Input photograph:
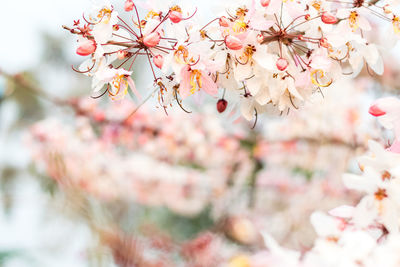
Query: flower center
(353, 18)
(176, 8)
(120, 83)
(195, 81)
(151, 15)
(104, 15)
(381, 194)
(386, 176)
(239, 26)
(396, 24)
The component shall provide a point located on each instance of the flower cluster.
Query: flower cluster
(257, 53)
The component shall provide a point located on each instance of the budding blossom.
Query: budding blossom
(175, 16)
(388, 112)
(262, 53)
(282, 64)
(152, 40)
(158, 61)
(86, 48)
(328, 18)
(129, 5)
(233, 42)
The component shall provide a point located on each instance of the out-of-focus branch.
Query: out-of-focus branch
(322, 141)
(19, 80)
(74, 105)
(108, 43)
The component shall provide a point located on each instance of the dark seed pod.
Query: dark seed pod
(222, 104)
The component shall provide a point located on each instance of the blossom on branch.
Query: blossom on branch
(262, 52)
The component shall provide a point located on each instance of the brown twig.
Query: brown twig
(74, 105)
(108, 43)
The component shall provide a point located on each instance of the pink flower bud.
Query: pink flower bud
(99, 116)
(152, 40)
(265, 3)
(121, 54)
(374, 110)
(324, 42)
(328, 18)
(233, 42)
(175, 16)
(86, 48)
(223, 22)
(129, 5)
(387, 9)
(282, 64)
(158, 61)
(260, 38)
(222, 104)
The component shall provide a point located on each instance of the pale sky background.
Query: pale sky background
(22, 22)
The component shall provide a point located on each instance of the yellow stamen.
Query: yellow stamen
(353, 19)
(241, 12)
(181, 55)
(314, 78)
(396, 24)
(104, 15)
(239, 26)
(317, 5)
(119, 82)
(176, 8)
(195, 81)
(152, 15)
(249, 51)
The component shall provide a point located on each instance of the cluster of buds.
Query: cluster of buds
(259, 53)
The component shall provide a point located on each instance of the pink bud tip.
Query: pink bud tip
(99, 116)
(86, 48)
(129, 5)
(387, 9)
(121, 54)
(260, 38)
(265, 3)
(152, 40)
(175, 16)
(223, 22)
(374, 110)
(222, 104)
(324, 42)
(158, 61)
(328, 18)
(282, 64)
(233, 42)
